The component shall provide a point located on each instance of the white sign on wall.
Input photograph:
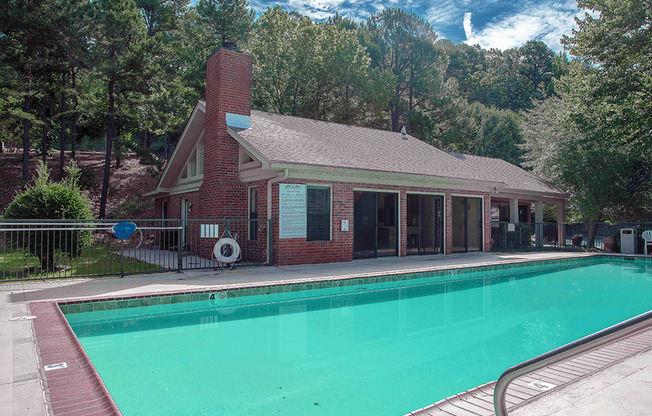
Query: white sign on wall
(292, 211)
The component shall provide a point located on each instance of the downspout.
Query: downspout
(270, 183)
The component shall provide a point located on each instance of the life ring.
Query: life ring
(235, 250)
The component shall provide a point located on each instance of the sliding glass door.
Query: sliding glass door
(375, 224)
(467, 224)
(425, 219)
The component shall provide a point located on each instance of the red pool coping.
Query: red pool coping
(77, 390)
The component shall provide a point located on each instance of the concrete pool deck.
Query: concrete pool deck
(21, 383)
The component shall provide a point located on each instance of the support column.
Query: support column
(538, 222)
(513, 210)
(561, 227)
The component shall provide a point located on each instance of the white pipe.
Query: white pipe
(269, 203)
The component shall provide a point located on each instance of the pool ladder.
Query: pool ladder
(597, 339)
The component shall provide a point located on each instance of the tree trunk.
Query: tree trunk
(109, 143)
(44, 119)
(62, 136)
(591, 229)
(395, 117)
(73, 129)
(26, 127)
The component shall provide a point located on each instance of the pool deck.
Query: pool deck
(615, 381)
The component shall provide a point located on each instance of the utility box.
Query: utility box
(628, 243)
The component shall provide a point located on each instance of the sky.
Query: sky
(501, 24)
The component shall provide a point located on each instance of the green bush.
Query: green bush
(47, 200)
(128, 208)
(88, 179)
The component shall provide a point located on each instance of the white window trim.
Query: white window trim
(199, 156)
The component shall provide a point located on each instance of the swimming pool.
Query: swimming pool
(383, 348)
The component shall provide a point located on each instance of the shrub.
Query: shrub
(128, 208)
(47, 200)
(88, 179)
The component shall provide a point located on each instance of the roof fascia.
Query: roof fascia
(198, 107)
(249, 148)
(358, 174)
(508, 193)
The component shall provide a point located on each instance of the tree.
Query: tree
(314, 70)
(566, 144)
(228, 20)
(616, 41)
(119, 55)
(26, 28)
(50, 200)
(403, 45)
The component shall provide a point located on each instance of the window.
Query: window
(253, 213)
(319, 213)
(195, 164)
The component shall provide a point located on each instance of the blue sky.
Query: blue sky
(499, 24)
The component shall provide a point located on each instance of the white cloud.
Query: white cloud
(547, 22)
(444, 11)
(468, 27)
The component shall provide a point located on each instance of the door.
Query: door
(386, 222)
(467, 224)
(375, 224)
(425, 224)
(364, 223)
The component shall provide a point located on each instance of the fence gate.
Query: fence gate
(43, 249)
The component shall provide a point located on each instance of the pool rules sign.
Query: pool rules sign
(292, 211)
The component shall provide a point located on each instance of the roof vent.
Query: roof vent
(232, 46)
(404, 133)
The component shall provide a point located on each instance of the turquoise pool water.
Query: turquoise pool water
(376, 350)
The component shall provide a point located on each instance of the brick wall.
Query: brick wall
(340, 247)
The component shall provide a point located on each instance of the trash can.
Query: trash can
(628, 243)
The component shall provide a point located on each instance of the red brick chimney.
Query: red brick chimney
(228, 90)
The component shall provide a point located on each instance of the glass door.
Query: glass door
(473, 224)
(467, 224)
(375, 226)
(425, 215)
(387, 224)
(364, 223)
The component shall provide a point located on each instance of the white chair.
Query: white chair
(647, 240)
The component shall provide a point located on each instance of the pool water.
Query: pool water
(377, 350)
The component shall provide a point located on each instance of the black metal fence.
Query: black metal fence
(45, 249)
(507, 236)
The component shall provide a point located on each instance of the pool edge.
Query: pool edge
(102, 402)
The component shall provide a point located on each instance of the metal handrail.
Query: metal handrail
(566, 351)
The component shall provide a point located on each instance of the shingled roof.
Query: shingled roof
(289, 140)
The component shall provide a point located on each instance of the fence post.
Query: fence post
(182, 232)
(270, 242)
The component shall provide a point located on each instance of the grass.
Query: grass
(100, 259)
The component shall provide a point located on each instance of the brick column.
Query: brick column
(448, 232)
(487, 223)
(402, 245)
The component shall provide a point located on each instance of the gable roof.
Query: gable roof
(186, 143)
(288, 140)
(282, 141)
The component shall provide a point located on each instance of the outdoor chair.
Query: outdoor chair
(647, 240)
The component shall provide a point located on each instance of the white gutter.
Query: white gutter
(269, 204)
